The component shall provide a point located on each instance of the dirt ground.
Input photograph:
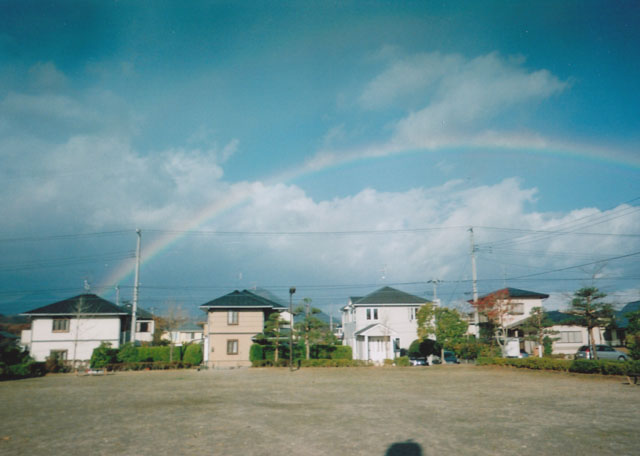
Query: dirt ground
(435, 410)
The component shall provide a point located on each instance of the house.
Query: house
(379, 325)
(145, 324)
(568, 337)
(510, 308)
(72, 328)
(185, 334)
(517, 304)
(617, 336)
(233, 321)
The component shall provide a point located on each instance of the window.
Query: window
(143, 327)
(570, 337)
(412, 313)
(372, 314)
(517, 308)
(60, 325)
(368, 314)
(232, 317)
(60, 355)
(232, 347)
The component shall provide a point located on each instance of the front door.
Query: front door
(378, 348)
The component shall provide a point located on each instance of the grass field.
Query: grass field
(374, 411)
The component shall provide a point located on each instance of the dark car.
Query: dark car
(418, 362)
(450, 357)
(602, 351)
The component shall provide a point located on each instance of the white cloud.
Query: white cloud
(449, 101)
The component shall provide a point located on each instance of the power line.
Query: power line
(67, 236)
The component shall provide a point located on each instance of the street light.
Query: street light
(292, 290)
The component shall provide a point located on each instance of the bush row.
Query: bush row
(159, 365)
(262, 352)
(22, 370)
(582, 366)
(310, 363)
(132, 356)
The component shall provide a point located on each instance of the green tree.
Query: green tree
(536, 328)
(314, 330)
(633, 334)
(590, 312)
(426, 318)
(450, 329)
(273, 331)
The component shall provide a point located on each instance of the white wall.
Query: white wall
(570, 348)
(83, 336)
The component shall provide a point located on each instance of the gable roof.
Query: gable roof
(141, 314)
(241, 300)
(515, 293)
(84, 304)
(388, 295)
(376, 329)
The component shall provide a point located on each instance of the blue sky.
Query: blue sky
(299, 117)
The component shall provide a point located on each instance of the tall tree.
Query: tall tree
(536, 327)
(450, 329)
(590, 312)
(272, 330)
(312, 328)
(426, 318)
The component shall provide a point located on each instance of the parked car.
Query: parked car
(418, 362)
(450, 357)
(602, 351)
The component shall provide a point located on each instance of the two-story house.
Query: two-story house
(379, 325)
(72, 328)
(233, 321)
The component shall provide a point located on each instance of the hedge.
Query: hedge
(582, 366)
(311, 363)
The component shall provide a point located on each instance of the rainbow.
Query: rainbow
(240, 194)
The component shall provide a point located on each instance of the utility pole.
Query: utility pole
(474, 277)
(136, 286)
(435, 283)
(118, 295)
(292, 290)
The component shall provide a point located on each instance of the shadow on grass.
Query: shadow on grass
(407, 448)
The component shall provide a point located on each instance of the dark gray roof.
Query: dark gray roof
(141, 314)
(388, 295)
(84, 304)
(241, 300)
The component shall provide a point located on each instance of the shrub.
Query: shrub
(388, 362)
(424, 348)
(342, 352)
(54, 365)
(633, 342)
(403, 361)
(128, 353)
(103, 355)
(193, 354)
(256, 353)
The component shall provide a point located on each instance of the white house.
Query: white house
(72, 328)
(378, 325)
(186, 334)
